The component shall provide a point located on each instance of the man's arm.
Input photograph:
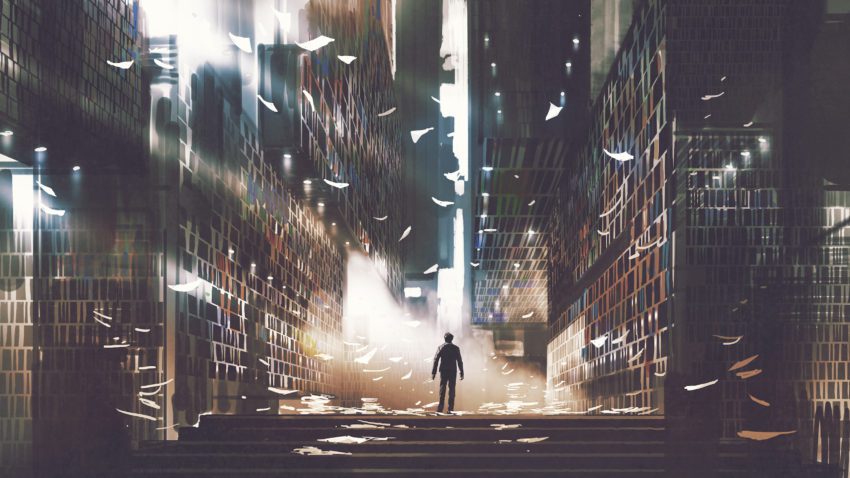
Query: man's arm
(436, 361)
(460, 363)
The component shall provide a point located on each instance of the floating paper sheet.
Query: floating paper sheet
(405, 233)
(395, 359)
(346, 59)
(344, 440)
(599, 342)
(747, 125)
(743, 363)
(124, 65)
(711, 97)
(532, 202)
(45, 188)
(313, 451)
(187, 287)
(281, 391)
(139, 329)
(553, 111)
(691, 388)
(532, 439)
(367, 357)
(163, 65)
(242, 43)
(268, 104)
(376, 370)
(432, 269)
(748, 373)
(528, 315)
(336, 185)
(316, 43)
(416, 134)
(759, 401)
(137, 415)
(309, 98)
(474, 264)
(760, 436)
(384, 218)
(388, 112)
(621, 338)
(407, 375)
(731, 340)
(624, 156)
(51, 211)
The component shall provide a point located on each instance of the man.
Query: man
(448, 358)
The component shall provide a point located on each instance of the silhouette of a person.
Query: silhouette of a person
(448, 358)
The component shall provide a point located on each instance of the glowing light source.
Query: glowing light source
(531, 232)
(321, 204)
(40, 149)
(6, 133)
(333, 224)
(498, 93)
(569, 64)
(75, 168)
(270, 278)
(347, 243)
(575, 41)
(730, 167)
(762, 140)
(563, 93)
(287, 156)
(493, 65)
(516, 265)
(745, 154)
(487, 168)
(486, 195)
(307, 182)
(498, 111)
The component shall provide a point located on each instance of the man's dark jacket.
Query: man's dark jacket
(448, 358)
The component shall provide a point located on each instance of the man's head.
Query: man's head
(449, 337)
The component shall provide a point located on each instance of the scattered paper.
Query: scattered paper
(316, 43)
(624, 156)
(553, 111)
(242, 43)
(532, 202)
(531, 440)
(711, 97)
(621, 338)
(46, 189)
(432, 269)
(345, 440)
(335, 184)
(124, 65)
(383, 218)
(731, 340)
(378, 378)
(313, 451)
(268, 104)
(187, 287)
(748, 373)
(691, 388)
(388, 112)
(163, 65)
(309, 98)
(137, 415)
(139, 329)
(416, 134)
(405, 233)
(759, 436)
(281, 391)
(747, 125)
(407, 375)
(395, 359)
(599, 342)
(759, 401)
(474, 264)
(346, 59)
(367, 357)
(375, 370)
(51, 211)
(528, 315)
(743, 363)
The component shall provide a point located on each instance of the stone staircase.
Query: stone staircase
(468, 446)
